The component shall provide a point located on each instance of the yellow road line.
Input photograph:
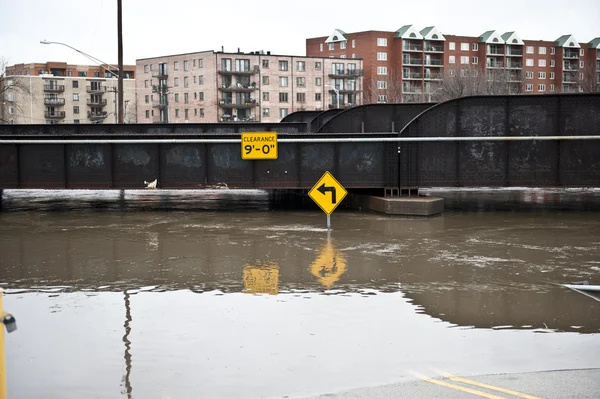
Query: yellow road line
(491, 387)
(459, 388)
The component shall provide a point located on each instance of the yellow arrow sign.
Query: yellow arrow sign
(327, 193)
(329, 266)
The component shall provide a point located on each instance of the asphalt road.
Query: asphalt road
(542, 385)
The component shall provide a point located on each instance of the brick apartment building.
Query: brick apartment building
(56, 92)
(416, 65)
(209, 86)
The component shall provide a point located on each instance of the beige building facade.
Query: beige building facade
(210, 87)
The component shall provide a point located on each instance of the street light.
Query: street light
(337, 94)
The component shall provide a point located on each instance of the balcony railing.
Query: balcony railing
(514, 65)
(97, 115)
(346, 90)
(433, 76)
(244, 104)
(238, 87)
(54, 88)
(96, 103)
(568, 66)
(240, 71)
(434, 49)
(340, 105)
(414, 75)
(411, 47)
(434, 62)
(96, 89)
(412, 61)
(346, 73)
(571, 54)
(160, 104)
(515, 52)
(160, 74)
(495, 65)
(54, 115)
(495, 51)
(54, 101)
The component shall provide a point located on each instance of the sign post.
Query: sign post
(327, 193)
(259, 145)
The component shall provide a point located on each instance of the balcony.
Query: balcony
(238, 87)
(346, 73)
(492, 65)
(160, 74)
(571, 54)
(54, 88)
(344, 91)
(54, 101)
(570, 66)
(433, 76)
(514, 52)
(410, 76)
(434, 49)
(230, 118)
(341, 105)
(412, 47)
(412, 61)
(54, 115)
(160, 104)
(97, 115)
(241, 71)
(96, 89)
(435, 63)
(495, 51)
(515, 77)
(96, 103)
(246, 104)
(514, 65)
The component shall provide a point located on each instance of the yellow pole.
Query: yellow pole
(2, 356)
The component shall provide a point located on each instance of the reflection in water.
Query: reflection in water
(127, 377)
(262, 279)
(329, 266)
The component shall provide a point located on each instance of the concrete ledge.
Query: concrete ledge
(413, 206)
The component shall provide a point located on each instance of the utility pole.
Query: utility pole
(120, 66)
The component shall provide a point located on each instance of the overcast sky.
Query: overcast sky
(161, 27)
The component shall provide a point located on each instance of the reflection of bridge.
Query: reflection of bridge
(209, 154)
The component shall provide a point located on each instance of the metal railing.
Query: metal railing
(412, 47)
(571, 54)
(495, 51)
(97, 115)
(54, 101)
(96, 89)
(54, 115)
(438, 49)
(434, 62)
(96, 103)
(54, 88)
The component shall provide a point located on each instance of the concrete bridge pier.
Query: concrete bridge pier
(413, 205)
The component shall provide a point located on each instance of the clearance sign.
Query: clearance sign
(259, 145)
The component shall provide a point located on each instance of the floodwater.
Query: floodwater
(116, 297)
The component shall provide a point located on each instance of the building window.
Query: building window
(580, 64)
(343, 45)
(381, 84)
(81, 74)
(194, 79)
(321, 47)
(185, 66)
(529, 87)
(382, 42)
(283, 112)
(186, 114)
(451, 59)
(552, 63)
(201, 96)
(69, 73)
(552, 50)
(541, 63)
(475, 60)
(317, 81)
(176, 97)
(475, 47)
(464, 60)
(541, 50)
(75, 84)
(151, 67)
(176, 81)
(283, 81)
(317, 66)
(265, 80)
(145, 83)
(146, 68)
(381, 70)
(201, 79)
(186, 81)
(331, 46)
(581, 76)
(195, 96)
(343, 56)
(452, 46)
(147, 114)
(147, 99)
(381, 99)
(177, 113)
(283, 65)
(301, 97)
(381, 56)
(265, 96)
(317, 96)
(451, 72)
(75, 96)
(528, 75)
(463, 73)
(581, 52)
(283, 97)
(176, 65)
(201, 112)
(529, 50)
(201, 65)
(529, 62)
(541, 87)
(266, 112)
(551, 75)
(551, 87)
(353, 55)
(353, 43)
(301, 82)
(464, 47)
(300, 66)
(186, 99)
(11, 110)
(194, 61)
(265, 63)
(76, 109)
(541, 75)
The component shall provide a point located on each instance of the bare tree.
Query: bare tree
(591, 79)
(9, 89)
(471, 81)
(390, 91)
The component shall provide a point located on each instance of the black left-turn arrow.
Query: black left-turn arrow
(323, 189)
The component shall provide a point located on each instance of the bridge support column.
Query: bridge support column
(409, 206)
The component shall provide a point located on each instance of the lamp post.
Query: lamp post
(337, 95)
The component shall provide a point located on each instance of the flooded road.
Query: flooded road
(115, 300)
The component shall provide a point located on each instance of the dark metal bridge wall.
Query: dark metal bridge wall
(191, 166)
(300, 116)
(322, 118)
(574, 163)
(373, 118)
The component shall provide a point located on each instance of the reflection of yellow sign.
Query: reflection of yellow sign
(327, 193)
(259, 145)
(263, 279)
(329, 266)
